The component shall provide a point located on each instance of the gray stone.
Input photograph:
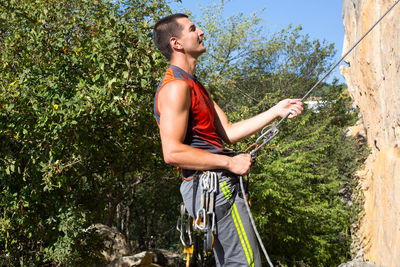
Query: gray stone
(358, 264)
(168, 259)
(116, 245)
(143, 259)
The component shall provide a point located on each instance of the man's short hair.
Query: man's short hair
(164, 29)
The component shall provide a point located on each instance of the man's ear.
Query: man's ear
(175, 43)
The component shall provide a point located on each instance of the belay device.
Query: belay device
(205, 216)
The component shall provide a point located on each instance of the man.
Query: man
(193, 128)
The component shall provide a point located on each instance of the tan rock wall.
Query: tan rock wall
(373, 78)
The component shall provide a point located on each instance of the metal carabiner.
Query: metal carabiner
(179, 227)
(212, 220)
(205, 181)
(201, 225)
(213, 182)
(268, 135)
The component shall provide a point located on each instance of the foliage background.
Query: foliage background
(79, 145)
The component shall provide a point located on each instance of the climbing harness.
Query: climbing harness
(205, 215)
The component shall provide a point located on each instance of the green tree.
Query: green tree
(76, 130)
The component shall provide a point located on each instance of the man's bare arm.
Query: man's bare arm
(174, 104)
(234, 132)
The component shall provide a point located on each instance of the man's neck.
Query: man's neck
(187, 64)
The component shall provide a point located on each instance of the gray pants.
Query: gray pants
(235, 244)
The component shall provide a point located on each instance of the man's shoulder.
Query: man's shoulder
(173, 78)
(174, 94)
(175, 73)
(175, 87)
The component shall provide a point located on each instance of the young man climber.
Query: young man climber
(193, 128)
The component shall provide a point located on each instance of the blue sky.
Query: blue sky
(321, 19)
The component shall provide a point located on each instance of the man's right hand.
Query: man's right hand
(240, 164)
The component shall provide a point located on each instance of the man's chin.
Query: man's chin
(199, 53)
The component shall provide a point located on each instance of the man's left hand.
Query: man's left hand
(292, 106)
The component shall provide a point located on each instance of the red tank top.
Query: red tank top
(201, 131)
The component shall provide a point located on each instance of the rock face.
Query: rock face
(373, 78)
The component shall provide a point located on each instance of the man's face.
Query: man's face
(191, 38)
